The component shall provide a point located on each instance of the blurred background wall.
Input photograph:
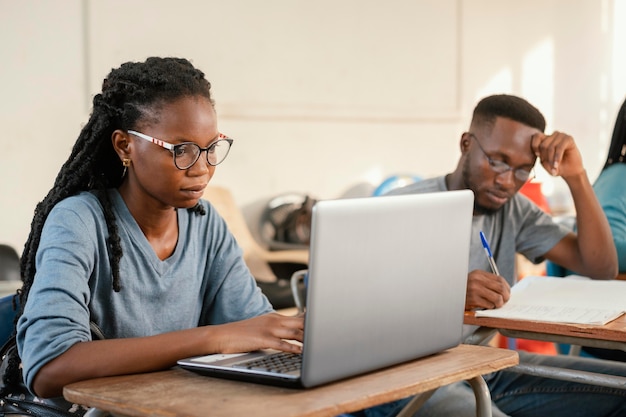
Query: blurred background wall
(322, 97)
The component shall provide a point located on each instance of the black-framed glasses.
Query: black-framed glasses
(186, 154)
(501, 167)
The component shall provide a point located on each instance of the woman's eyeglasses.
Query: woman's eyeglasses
(186, 154)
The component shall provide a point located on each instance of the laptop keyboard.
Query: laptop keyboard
(280, 362)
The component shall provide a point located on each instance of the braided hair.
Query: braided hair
(617, 149)
(129, 95)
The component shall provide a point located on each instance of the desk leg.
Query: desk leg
(483, 397)
(481, 392)
(415, 404)
(574, 350)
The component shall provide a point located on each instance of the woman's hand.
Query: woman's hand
(270, 331)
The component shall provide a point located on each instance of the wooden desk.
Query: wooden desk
(178, 392)
(610, 336)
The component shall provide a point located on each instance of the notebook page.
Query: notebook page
(574, 299)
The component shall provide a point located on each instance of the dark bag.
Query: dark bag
(18, 401)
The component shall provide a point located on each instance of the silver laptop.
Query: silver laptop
(386, 285)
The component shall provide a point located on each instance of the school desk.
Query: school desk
(610, 336)
(179, 392)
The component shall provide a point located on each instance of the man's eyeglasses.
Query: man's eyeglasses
(186, 154)
(500, 167)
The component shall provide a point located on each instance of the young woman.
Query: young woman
(124, 240)
(610, 190)
(611, 193)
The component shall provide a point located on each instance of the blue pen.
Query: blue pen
(492, 262)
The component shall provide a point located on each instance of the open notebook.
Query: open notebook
(573, 299)
(387, 278)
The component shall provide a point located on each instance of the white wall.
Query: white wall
(320, 96)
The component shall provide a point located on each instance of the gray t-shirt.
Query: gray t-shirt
(519, 227)
(205, 281)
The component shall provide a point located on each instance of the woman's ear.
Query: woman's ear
(121, 144)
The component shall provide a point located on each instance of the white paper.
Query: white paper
(573, 299)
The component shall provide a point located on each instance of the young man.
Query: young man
(498, 154)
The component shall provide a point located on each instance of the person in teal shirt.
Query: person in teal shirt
(610, 190)
(611, 193)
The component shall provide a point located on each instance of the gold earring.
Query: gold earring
(126, 164)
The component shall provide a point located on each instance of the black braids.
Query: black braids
(74, 176)
(113, 241)
(198, 209)
(12, 376)
(617, 149)
(114, 112)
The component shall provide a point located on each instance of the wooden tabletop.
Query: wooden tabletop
(178, 392)
(612, 331)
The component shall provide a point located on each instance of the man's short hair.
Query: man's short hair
(511, 107)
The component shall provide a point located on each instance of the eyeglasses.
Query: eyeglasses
(500, 167)
(186, 154)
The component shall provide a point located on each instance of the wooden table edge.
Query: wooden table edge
(483, 359)
(613, 331)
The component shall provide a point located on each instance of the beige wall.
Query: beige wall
(320, 96)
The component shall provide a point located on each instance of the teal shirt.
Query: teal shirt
(610, 188)
(205, 281)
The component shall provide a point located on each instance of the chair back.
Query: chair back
(223, 201)
(7, 316)
(256, 256)
(9, 263)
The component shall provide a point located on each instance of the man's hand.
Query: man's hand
(486, 290)
(591, 251)
(558, 154)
